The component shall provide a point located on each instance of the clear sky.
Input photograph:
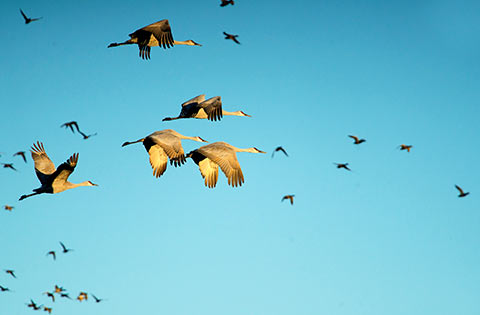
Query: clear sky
(390, 237)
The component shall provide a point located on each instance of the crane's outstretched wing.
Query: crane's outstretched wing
(162, 32)
(226, 158)
(196, 99)
(44, 167)
(459, 189)
(65, 169)
(158, 159)
(213, 108)
(24, 16)
(171, 144)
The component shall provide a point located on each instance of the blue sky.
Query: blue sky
(390, 237)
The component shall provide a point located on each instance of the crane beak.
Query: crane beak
(92, 183)
(260, 151)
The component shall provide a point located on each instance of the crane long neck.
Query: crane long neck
(252, 150)
(128, 143)
(85, 183)
(190, 138)
(236, 113)
(181, 42)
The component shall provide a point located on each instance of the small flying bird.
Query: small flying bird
(405, 147)
(65, 295)
(22, 154)
(462, 194)
(53, 180)
(232, 37)
(289, 197)
(58, 289)
(47, 309)
(342, 165)
(280, 149)
(50, 295)
(27, 19)
(65, 250)
(9, 165)
(71, 125)
(11, 272)
(4, 289)
(356, 140)
(97, 300)
(85, 137)
(82, 296)
(52, 252)
(8, 208)
(33, 305)
(226, 2)
(155, 34)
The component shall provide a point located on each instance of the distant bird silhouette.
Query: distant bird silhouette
(342, 165)
(50, 295)
(53, 180)
(155, 34)
(52, 252)
(211, 156)
(97, 300)
(33, 305)
(405, 147)
(200, 108)
(47, 309)
(9, 165)
(279, 149)
(163, 145)
(74, 124)
(82, 296)
(85, 137)
(289, 197)
(462, 194)
(58, 289)
(11, 272)
(356, 140)
(8, 208)
(22, 154)
(65, 250)
(4, 289)
(232, 37)
(226, 2)
(27, 19)
(65, 295)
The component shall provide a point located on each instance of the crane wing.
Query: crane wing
(226, 158)
(162, 32)
(459, 189)
(64, 170)
(196, 99)
(158, 160)
(44, 167)
(170, 144)
(23, 14)
(213, 108)
(209, 171)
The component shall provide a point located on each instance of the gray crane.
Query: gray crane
(211, 156)
(200, 108)
(163, 145)
(53, 180)
(155, 34)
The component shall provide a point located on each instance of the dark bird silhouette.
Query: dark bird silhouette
(74, 125)
(342, 165)
(226, 2)
(50, 295)
(82, 296)
(155, 34)
(52, 252)
(33, 305)
(405, 147)
(97, 300)
(85, 137)
(462, 194)
(8, 208)
(9, 165)
(232, 37)
(11, 272)
(65, 295)
(22, 154)
(279, 149)
(289, 197)
(356, 140)
(53, 180)
(27, 19)
(4, 289)
(58, 289)
(47, 309)
(65, 250)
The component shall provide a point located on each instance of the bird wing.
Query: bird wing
(44, 167)
(226, 158)
(196, 99)
(170, 143)
(158, 159)
(354, 138)
(23, 14)
(162, 32)
(209, 171)
(459, 189)
(64, 170)
(234, 38)
(283, 150)
(22, 154)
(213, 108)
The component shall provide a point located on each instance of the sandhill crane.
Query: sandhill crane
(342, 165)
(27, 19)
(82, 296)
(210, 157)
(65, 295)
(58, 289)
(288, 197)
(73, 124)
(52, 252)
(22, 154)
(232, 37)
(8, 208)
(53, 180)
(11, 272)
(48, 309)
(163, 145)
(156, 34)
(9, 165)
(97, 300)
(65, 249)
(405, 147)
(460, 190)
(4, 289)
(200, 108)
(50, 295)
(226, 2)
(33, 305)
(279, 149)
(357, 140)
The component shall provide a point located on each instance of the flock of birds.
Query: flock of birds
(162, 146)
